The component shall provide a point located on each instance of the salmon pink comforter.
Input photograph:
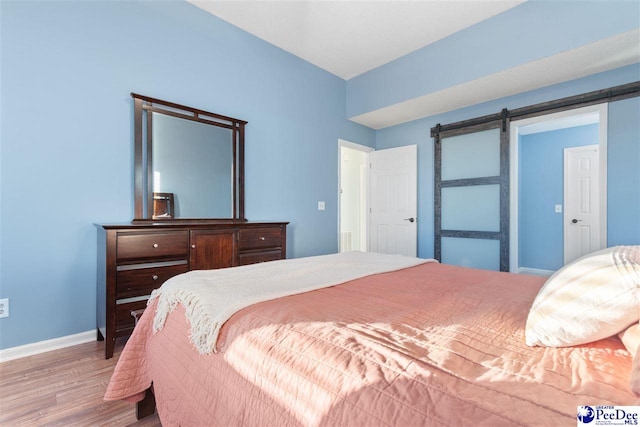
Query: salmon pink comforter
(430, 345)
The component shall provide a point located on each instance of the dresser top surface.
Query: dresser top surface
(191, 224)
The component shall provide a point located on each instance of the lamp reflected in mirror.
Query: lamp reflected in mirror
(163, 206)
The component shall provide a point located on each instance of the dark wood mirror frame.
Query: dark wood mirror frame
(143, 139)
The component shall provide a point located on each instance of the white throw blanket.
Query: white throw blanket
(211, 297)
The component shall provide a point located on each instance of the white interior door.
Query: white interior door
(393, 203)
(581, 201)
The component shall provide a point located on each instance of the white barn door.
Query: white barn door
(393, 201)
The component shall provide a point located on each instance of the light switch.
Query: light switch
(320, 206)
(558, 208)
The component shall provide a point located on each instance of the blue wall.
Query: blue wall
(68, 68)
(541, 188)
(623, 173)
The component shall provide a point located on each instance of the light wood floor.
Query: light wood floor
(64, 388)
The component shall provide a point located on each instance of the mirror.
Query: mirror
(189, 163)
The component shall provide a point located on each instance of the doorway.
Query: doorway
(352, 196)
(377, 199)
(522, 242)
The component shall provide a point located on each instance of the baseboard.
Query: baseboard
(47, 345)
(535, 271)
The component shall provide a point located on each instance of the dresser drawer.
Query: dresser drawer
(124, 320)
(262, 256)
(132, 246)
(132, 282)
(258, 238)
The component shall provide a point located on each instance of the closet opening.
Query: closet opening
(558, 188)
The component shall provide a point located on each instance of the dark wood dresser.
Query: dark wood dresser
(135, 259)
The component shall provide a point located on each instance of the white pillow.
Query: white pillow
(630, 337)
(592, 298)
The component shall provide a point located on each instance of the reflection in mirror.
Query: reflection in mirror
(192, 155)
(163, 205)
(188, 154)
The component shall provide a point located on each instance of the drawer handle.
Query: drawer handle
(154, 277)
(193, 246)
(155, 245)
(263, 238)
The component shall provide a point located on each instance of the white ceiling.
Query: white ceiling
(350, 37)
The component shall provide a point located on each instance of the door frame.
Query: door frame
(565, 119)
(367, 150)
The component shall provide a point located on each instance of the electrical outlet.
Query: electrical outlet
(4, 307)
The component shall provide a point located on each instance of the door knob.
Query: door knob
(575, 220)
(410, 219)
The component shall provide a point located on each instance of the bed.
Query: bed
(414, 343)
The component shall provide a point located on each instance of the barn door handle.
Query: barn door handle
(410, 219)
(575, 220)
